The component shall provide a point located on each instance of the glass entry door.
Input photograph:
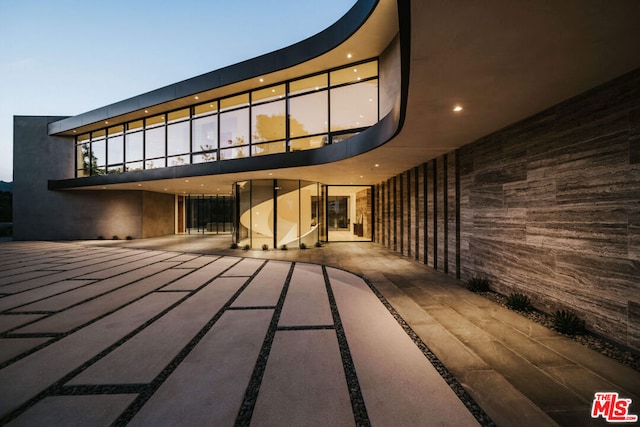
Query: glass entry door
(349, 213)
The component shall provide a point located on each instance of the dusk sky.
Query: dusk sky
(67, 57)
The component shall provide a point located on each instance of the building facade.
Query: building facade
(500, 142)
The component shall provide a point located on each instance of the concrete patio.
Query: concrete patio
(183, 330)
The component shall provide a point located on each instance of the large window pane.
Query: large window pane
(204, 109)
(268, 122)
(178, 160)
(354, 106)
(309, 213)
(155, 121)
(269, 148)
(307, 143)
(99, 156)
(114, 147)
(262, 213)
(154, 143)
(288, 213)
(210, 156)
(234, 102)
(176, 116)
(133, 148)
(205, 133)
(83, 160)
(234, 153)
(178, 138)
(308, 114)
(273, 92)
(234, 128)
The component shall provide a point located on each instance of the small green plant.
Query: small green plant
(478, 284)
(129, 238)
(265, 247)
(234, 246)
(303, 246)
(115, 238)
(519, 302)
(100, 237)
(284, 247)
(318, 244)
(568, 322)
(246, 247)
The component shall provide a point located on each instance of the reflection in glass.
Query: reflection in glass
(309, 213)
(134, 166)
(178, 138)
(99, 154)
(210, 156)
(234, 153)
(234, 102)
(354, 106)
(307, 143)
(114, 147)
(349, 213)
(273, 92)
(154, 121)
(154, 142)
(205, 133)
(176, 116)
(354, 73)
(133, 147)
(131, 126)
(203, 109)
(99, 134)
(261, 213)
(116, 130)
(310, 84)
(268, 122)
(178, 160)
(234, 128)
(308, 114)
(83, 160)
(243, 214)
(288, 212)
(269, 148)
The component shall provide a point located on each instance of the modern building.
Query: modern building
(497, 139)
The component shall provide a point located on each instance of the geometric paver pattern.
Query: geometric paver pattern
(108, 335)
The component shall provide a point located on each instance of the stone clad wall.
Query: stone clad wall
(549, 206)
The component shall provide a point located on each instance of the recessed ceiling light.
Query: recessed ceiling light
(139, 185)
(270, 174)
(146, 111)
(201, 185)
(165, 189)
(376, 165)
(355, 70)
(261, 80)
(196, 97)
(361, 176)
(457, 108)
(273, 90)
(186, 180)
(74, 131)
(104, 188)
(349, 55)
(106, 123)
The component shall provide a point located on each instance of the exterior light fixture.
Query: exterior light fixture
(261, 80)
(377, 165)
(349, 55)
(457, 108)
(146, 111)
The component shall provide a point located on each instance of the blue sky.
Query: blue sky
(66, 57)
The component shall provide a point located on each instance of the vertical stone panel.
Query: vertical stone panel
(409, 220)
(465, 156)
(418, 213)
(440, 212)
(452, 214)
(431, 214)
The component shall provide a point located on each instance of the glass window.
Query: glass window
(98, 157)
(288, 212)
(270, 93)
(133, 147)
(114, 149)
(234, 102)
(234, 153)
(310, 84)
(154, 142)
(99, 134)
(155, 163)
(269, 148)
(176, 116)
(155, 121)
(268, 122)
(134, 166)
(210, 156)
(354, 106)
(203, 109)
(205, 133)
(234, 128)
(83, 138)
(178, 138)
(308, 143)
(354, 73)
(83, 159)
(308, 114)
(116, 130)
(132, 126)
(178, 160)
(115, 169)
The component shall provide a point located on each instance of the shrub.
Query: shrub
(234, 246)
(129, 238)
(115, 238)
(303, 246)
(246, 247)
(318, 244)
(518, 301)
(568, 322)
(284, 247)
(100, 237)
(265, 247)
(477, 284)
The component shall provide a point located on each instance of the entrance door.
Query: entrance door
(349, 213)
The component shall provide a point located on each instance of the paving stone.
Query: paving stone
(503, 403)
(201, 276)
(399, 385)
(75, 411)
(22, 298)
(81, 314)
(585, 383)
(8, 322)
(12, 347)
(458, 325)
(306, 302)
(265, 289)
(107, 259)
(58, 359)
(159, 343)
(198, 262)
(304, 382)
(106, 270)
(23, 268)
(208, 387)
(246, 267)
(542, 390)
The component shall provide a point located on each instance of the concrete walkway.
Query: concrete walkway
(145, 331)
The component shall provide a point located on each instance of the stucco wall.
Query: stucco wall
(549, 206)
(41, 214)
